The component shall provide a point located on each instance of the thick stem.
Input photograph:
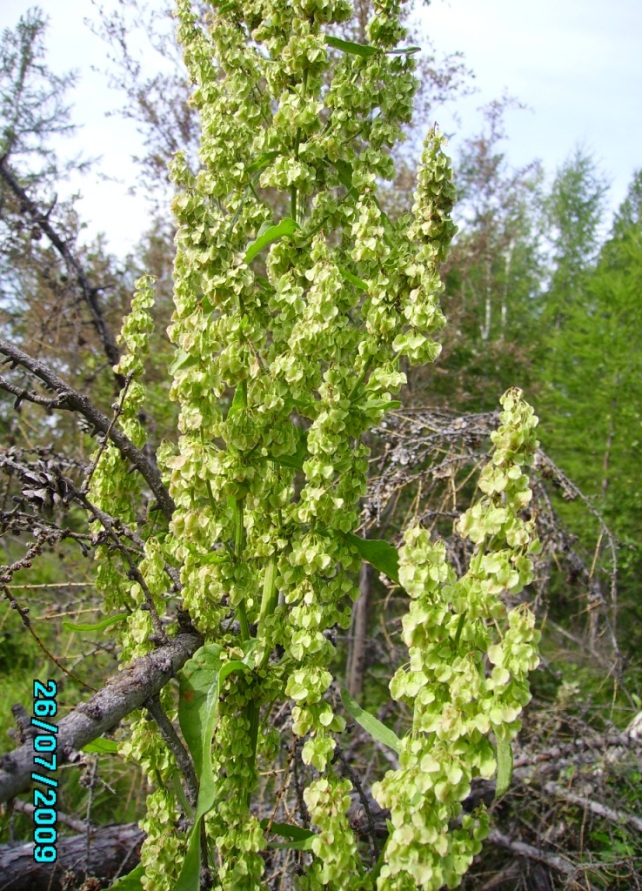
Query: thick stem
(252, 713)
(251, 709)
(269, 597)
(269, 600)
(293, 202)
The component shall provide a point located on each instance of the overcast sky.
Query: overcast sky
(576, 63)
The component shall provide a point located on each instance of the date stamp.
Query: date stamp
(45, 762)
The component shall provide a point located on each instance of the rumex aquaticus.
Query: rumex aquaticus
(297, 305)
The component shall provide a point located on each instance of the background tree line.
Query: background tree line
(541, 290)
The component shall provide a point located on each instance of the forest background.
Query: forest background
(542, 290)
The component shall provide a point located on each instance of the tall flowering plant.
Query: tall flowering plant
(291, 333)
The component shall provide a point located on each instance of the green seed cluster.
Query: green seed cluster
(468, 672)
(292, 328)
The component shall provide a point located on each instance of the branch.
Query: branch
(125, 692)
(68, 399)
(89, 293)
(174, 742)
(555, 861)
(24, 807)
(114, 851)
(594, 807)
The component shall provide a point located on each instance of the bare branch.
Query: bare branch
(122, 694)
(174, 742)
(555, 861)
(89, 292)
(594, 807)
(24, 807)
(68, 399)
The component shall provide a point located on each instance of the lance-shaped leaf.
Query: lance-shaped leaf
(132, 881)
(377, 404)
(352, 278)
(364, 50)
(404, 51)
(353, 49)
(95, 626)
(213, 558)
(504, 767)
(344, 171)
(262, 162)
(287, 226)
(200, 684)
(101, 746)
(377, 553)
(299, 839)
(370, 724)
(181, 361)
(239, 402)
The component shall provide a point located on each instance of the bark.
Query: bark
(359, 633)
(107, 852)
(123, 693)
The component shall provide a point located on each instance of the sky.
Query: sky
(576, 64)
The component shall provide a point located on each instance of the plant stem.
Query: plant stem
(293, 202)
(269, 600)
(239, 545)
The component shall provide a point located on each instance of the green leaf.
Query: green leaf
(199, 689)
(305, 845)
(354, 49)
(286, 227)
(353, 279)
(370, 724)
(303, 406)
(101, 746)
(213, 558)
(345, 173)
(132, 881)
(249, 648)
(200, 683)
(375, 404)
(181, 360)
(377, 553)
(504, 767)
(404, 51)
(262, 162)
(299, 839)
(190, 877)
(97, 626)
(239, 403)
(287, 830)
(263, 282)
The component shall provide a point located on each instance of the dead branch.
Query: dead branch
(68, 399)
(88, 291)
(521, 849)
(594, 807)
(122, 694)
